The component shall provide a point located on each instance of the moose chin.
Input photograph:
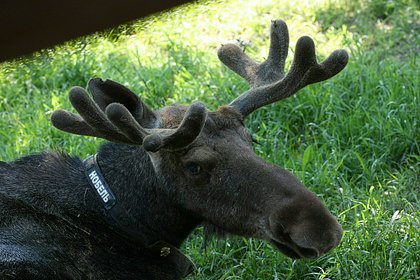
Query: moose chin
(123, 212)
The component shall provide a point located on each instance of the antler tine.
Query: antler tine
(91, 122)
(125, 121)
(233, 57)
(259, 73)
(279, 45)
(269, 84)
(157, 139)
(105, 92)
(72, 123)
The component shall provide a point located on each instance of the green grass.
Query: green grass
(354, 139)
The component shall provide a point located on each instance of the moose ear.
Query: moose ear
(107, 92)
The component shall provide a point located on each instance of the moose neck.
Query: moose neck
(145, 199)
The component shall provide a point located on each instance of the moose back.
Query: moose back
(124, 212)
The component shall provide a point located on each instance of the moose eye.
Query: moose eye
(193, 168)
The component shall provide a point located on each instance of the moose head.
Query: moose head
(205, 161)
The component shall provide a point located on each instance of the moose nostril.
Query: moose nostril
(309, 252)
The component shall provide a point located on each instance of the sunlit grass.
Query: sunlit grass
(354, 139)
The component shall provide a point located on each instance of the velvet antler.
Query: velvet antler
(120, 123)
(267, 80)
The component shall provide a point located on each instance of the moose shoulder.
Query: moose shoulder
(123, 213)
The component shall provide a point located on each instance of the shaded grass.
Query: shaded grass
(354, 139)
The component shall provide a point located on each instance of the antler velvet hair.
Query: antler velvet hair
(120, 122)
(267, 80)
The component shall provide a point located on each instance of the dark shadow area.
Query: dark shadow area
(28, 26)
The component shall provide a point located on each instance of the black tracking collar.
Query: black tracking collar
(125, 222)
(97, 181)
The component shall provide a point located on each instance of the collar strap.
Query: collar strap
(97, 181)
(125, 222)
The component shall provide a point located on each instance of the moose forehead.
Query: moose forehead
(225, 119)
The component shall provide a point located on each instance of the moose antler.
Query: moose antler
(114, 121)
(267, 80)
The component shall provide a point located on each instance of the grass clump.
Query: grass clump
(354, 139)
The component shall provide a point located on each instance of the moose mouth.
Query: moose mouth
(286, 250)
(294, 251)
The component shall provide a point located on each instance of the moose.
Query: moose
(124, 212)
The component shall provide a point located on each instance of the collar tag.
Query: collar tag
(184, 266)
(97, 181)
